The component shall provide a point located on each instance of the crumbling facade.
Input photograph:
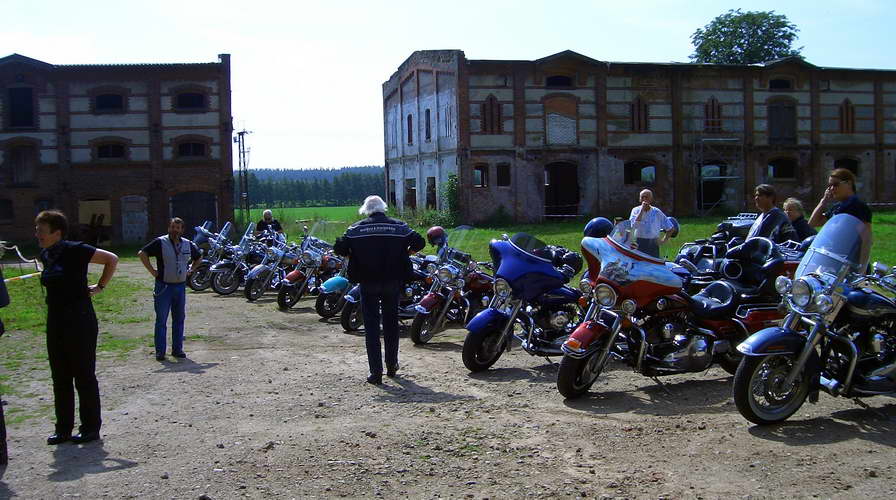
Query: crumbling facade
(120, 148)
(567, 135)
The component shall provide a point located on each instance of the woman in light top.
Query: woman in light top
(647, 222)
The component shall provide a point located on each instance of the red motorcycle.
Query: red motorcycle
(639, 313)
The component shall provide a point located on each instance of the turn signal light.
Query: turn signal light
(573, 344)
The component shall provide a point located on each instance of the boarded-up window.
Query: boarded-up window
(20, 106)
(503, 175)
(190, 101)
(780, 84)
(782, 122)
(847, 117)
(392, 200)
(640, 115)
(428, 127)
(410, 129)
(491, 116)
(191, 150)
(561, 120)
(480, 176)
(410, 193)
(22, 162)
(109, 103)
(431, 193)
(713, 112)
(640, 172)
(782, 168)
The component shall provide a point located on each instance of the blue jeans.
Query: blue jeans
(170, 298)
(377, 297)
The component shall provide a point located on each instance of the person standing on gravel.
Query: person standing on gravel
(72, 329)
(379, 248)
(173, 253)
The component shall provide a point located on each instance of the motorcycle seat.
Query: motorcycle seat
(718, 300)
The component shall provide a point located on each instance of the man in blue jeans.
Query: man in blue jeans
(378, 248)
(176, 257)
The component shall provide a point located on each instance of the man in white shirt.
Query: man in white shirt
(647, 222)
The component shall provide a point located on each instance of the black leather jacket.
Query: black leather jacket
(378, 249)
(773, 225)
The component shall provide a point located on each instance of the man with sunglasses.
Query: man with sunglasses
(842, 189)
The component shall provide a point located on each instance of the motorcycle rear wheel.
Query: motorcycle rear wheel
(577, 375)
(287, 297)
(482, 349)
(757, 389)
(254, 288)
(328, 305)
(225, 283)
(423, 328)
(351, 319)
(200, 279)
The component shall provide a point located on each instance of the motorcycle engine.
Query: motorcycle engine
(676, 347)
(554, 322)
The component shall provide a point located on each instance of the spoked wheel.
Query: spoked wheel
(760, 392)
(254, 288)
(482, 349)
(225, 283)
(577, 375)
(424, 327)
(352, 320)
(200, 279)
(328, 305)
(287, 297)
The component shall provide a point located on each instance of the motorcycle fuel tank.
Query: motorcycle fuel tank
(633, 274)
(334, 284)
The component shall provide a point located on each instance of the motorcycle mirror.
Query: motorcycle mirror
(505, 237)
(881, 269)
(305, 229)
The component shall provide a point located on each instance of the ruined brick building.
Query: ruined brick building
(569, 135)
(119, 148)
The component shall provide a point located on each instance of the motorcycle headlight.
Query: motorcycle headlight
(606, 296)
(446, 274)
(459, 283)
(307, 257)
(432, 268)
(585, 287)
(783, 284)
(502, 287)
(823, 303)
(801, 293)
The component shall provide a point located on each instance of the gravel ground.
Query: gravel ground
(274, 405)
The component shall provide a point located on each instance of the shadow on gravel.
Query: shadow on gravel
(688, 397)
(186, 365)
(72, 462)
(411, 392)
(5, 492)
(360, 332)
(440, 347)
(296, 310)
(546, 373)
(877, 425)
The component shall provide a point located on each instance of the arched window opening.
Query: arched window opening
(640, 115)
(782, 168)
(491, 116)
(108, 103)
(780, 84)
(713, 113)
(561, 125)
(190, 101)
(191, 150)
(782, 122)
(640, 172)
(847, 117)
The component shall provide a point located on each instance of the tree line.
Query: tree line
(341, 188)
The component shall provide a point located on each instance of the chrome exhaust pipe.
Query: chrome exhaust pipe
(832, 386)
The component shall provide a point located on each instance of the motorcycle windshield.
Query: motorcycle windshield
(456, 247)
(527, 243)
(226, 230)
(247, 237)
(843, 242)
(322, 235)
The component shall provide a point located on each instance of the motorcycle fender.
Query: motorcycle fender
(775, 340)
(335, 284)
(221, 267)
(256, 271)
(354, 295)
(294, 276)
(428, 303)
(585, 335)
(487, 319)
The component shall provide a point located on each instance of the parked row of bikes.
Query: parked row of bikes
(788, 321)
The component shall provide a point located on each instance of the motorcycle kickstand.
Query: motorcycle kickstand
(551, 362)
(662, 385)
(865, 406)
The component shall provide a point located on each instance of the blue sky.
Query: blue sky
(307, 75)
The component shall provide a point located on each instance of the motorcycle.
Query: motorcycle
(639, 313)
(331, 298)
(414, 290)
(530, 292)
(703, 257)
(839, 335)
(230, 272)
(213, 246)
(459, 289)
(317, 264)
(279, 259)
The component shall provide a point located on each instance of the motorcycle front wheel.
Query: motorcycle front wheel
(482, 349)
(759, 391)
(423, 328)
(351, 319)
(254, 288)
(225, 283)
(328, 305)
(200, 279)
(287, 297)
(577, 375)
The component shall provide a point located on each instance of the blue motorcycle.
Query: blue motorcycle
(331, 298)
(531, 302)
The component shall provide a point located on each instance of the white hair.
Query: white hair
(372, 204)
(646, 191)
(266, 213)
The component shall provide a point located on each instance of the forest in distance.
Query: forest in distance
(318, 187)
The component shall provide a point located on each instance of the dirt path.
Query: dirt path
(274, 405)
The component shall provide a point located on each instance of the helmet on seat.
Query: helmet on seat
(573, 260)
(598, 227)
(436, 236)
(672, 232)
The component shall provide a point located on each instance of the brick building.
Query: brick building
(119, 148)
(569, 135)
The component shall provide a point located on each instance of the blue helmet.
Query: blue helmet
(598, 227)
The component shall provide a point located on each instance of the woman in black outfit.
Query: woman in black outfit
(797, 215)
(71, 325)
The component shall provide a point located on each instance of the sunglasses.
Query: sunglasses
(834, 184)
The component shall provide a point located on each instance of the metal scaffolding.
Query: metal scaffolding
(726, 153)
(242, 203)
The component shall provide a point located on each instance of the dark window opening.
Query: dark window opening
(640, 172)
(710, 187)
(847, 117)
(503, 174)
(782, 168)
(392, 200)
(42, 204)
(431, 193)
(21, 162)
(110, 151)
(21, 107)
(106, 103)
(849, 164)
(780, 84)
(428, 128)
(6, 213)
(491, 116)
(480, 176)
(639, 115)
(713, 112)
(410, 193)
(410, 129)
(190, 100)
(782, 122)
(558, 81)
(191, 149)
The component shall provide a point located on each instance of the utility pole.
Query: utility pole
(243, 180)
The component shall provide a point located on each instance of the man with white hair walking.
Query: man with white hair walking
(378, 248)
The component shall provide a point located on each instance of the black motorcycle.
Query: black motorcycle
(213, 247)
(230, 272)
